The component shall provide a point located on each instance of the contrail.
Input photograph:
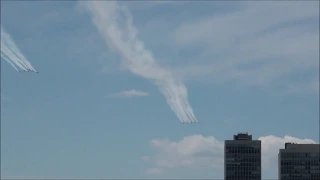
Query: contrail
(115, 24)
(11, 53)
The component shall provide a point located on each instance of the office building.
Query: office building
(242, 158)
(299, 162)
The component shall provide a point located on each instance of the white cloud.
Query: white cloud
(198, 151)
(271, 145)
(129, 93)
(258, 44)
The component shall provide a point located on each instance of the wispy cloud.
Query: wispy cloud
(261, 44)
(198, 151)
(145, 5)
(115, 24)
(311, 86)
(154, 171)
(129, 93)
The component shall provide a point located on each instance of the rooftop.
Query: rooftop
(294, 147)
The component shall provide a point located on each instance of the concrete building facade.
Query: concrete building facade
(242, 158)
(299, 162)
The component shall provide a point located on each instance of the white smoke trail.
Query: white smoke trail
(114, 23)
(5, 57)
(11, 53)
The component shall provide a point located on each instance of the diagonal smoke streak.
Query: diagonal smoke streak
(115, 24)
(11, 53)
(5, 57)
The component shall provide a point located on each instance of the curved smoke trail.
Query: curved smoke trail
(114, 23)
(11, 53)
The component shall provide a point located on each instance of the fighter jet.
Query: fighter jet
(191, 122)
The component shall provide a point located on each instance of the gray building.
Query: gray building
(299, 162)
(242, 158)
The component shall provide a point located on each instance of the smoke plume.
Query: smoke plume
(115, 24)
(11, 53)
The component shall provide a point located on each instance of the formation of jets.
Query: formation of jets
(190, 122)
(29, 70)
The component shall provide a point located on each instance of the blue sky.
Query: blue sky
(92, 112)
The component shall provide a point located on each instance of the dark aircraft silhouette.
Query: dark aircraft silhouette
(28, 70)
(192, 122)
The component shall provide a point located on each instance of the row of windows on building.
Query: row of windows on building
(299, 171)
(251, 177)
(245, 168)
(299, 154)
(243, 151)
(250, 161)
(301, 163)
(299, 177)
